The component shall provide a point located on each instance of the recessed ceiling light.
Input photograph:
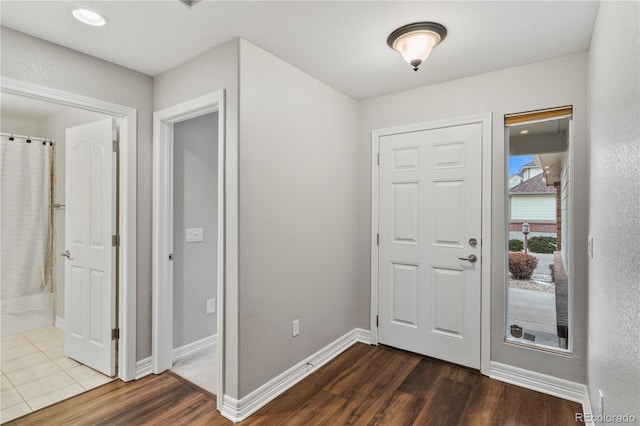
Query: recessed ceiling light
(524, 132)
(89, 17)
(546, 167)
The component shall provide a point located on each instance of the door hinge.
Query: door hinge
(115, 333)
(378, 239)
(377, 321)
(115, 240)
(116, 146)
(378, 159)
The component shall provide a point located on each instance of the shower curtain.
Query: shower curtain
(26, 224)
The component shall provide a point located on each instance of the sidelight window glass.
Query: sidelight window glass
(538, 194)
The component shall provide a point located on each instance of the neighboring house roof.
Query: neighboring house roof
(535, 185)
(529, 165)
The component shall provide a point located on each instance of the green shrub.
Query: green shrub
(542, 244)
(516, 245)
(522, 265)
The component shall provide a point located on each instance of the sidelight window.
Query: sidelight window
(538, 195)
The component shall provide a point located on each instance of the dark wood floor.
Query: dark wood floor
(366, 385)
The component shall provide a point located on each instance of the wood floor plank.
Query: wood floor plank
(363, 385)
(289, 402)
(445, 405)
(348, 383)
(560, 410)
(370, 397)
(161, 397)
(485, 405)
(400, 409)
(524, 407)
(317, 411)
(424, 377)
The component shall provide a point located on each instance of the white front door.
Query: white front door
(429, 217)
(90, 279)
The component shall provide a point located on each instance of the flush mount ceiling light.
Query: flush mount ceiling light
(190, 3)
(89, 17)
(415, 41)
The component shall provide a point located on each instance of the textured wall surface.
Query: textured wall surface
(298, 240)
(556, 82)
(614, 210)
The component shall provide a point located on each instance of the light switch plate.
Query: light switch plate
(211, 306)
(194, 235)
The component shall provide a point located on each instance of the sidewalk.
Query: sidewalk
(535, 312)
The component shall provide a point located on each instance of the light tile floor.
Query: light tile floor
(199, 368)
(35, 373)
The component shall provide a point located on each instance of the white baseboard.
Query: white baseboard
(539, 382)
(59, 323)
(238, 410)
(143, 368)
(586, 407)
(194, 347)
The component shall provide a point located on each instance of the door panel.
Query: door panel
(405, 292)
(89, 225)
(405, 212)
(429, 208)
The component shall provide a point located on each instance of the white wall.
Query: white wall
(37, 61)
(533, 208)
(19, 127)
(54, 127)
(298, 216)
(614, 209)
(195, 196)
(530, 172)
(557, 82)
(214, 70)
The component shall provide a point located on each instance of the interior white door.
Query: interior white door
(429, 216)
(90, 279)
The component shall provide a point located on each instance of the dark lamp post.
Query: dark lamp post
(525, 230)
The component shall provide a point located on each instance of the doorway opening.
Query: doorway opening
(538, 199)
(195, 151)
(188, 250)
(34, 360)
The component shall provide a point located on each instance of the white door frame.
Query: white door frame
(128, 204)
(162, 321)
(485, 120)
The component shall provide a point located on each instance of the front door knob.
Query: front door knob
(472, 258)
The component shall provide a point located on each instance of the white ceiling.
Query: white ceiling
(341, 43)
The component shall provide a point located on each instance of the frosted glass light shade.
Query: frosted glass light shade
(415, 41)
